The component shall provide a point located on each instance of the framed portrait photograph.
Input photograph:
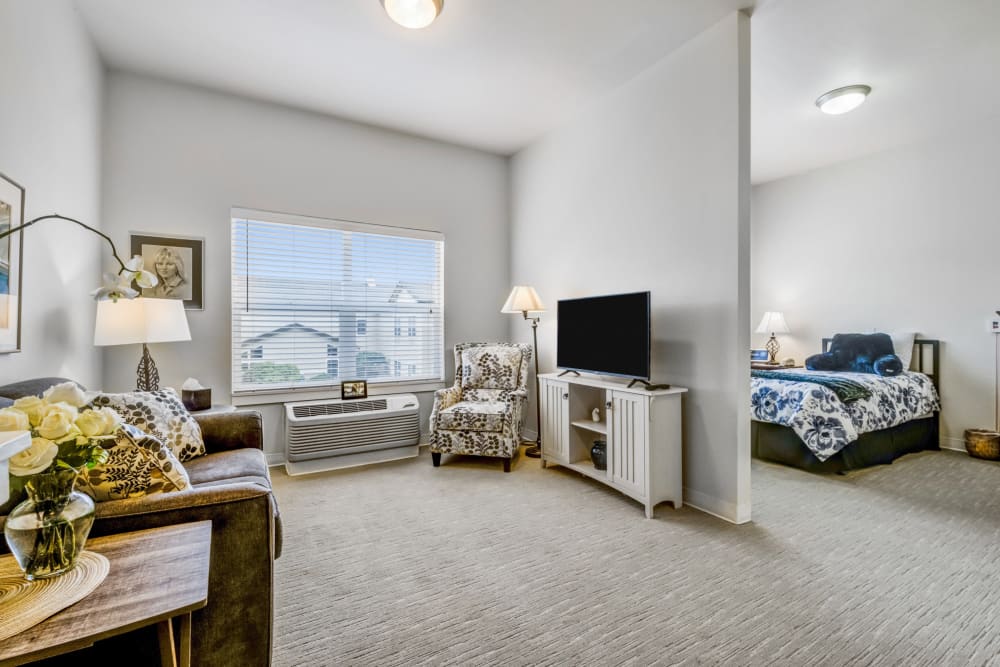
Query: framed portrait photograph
(11, 215)
(178, 264)
(354, 389)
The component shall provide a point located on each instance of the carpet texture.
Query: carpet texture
(406, 564)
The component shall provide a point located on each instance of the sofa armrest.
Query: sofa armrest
(231, 430)
(236, 626)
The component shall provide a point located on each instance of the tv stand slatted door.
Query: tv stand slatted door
(642, 429)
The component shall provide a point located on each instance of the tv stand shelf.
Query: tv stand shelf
(642, 428)
(591, 425)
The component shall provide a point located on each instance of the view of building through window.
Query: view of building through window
(320, 302)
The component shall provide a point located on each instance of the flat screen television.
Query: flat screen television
(607, 335)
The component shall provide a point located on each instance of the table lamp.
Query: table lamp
(773, 322)
(141, 320)
(523, 299)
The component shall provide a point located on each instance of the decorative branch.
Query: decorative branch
(56, 216)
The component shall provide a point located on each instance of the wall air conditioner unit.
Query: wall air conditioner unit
(336, 433)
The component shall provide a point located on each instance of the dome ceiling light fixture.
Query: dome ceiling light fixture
(843, 99)
(413, 14)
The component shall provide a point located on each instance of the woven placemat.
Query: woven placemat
(26, 603)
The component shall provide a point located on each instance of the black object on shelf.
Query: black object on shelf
(599, 454)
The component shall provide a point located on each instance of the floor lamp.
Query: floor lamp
(523, 299)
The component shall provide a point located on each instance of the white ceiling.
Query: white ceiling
(492, 74)
(932, 66)
(496, 74)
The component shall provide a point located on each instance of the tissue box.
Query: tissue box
(196, 399)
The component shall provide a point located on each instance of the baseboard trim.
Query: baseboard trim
(954, 444)
(717, 508)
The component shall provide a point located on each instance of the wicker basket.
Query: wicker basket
(983, 443)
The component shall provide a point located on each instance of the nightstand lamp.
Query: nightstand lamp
(773, 322)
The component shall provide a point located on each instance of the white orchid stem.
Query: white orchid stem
(56, 216)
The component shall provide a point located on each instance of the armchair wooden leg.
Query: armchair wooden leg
(436, 458)
(506, 465)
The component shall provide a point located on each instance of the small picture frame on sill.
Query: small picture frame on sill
(353, 389)
(758, 355)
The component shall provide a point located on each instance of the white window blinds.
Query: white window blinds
(317, 302)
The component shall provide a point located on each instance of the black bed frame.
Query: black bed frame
(773, 442)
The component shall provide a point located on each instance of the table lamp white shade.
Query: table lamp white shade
(772, 322)
(140, 320)
(523, 299)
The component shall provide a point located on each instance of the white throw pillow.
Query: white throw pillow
(902, 344)
(159, 413)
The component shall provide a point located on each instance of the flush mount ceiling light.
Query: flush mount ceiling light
(843, 99)
(413, 14)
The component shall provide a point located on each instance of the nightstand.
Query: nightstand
(764, 366)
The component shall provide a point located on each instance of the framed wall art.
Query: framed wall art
(177, 262)
(11, 255)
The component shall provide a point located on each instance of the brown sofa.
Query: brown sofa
(231, 488)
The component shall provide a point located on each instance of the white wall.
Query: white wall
(905, 239)
(178, 157)
(648, 189)
(50, 143)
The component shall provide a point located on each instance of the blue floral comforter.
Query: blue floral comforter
(825, 424)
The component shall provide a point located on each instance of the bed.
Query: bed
(807, 426)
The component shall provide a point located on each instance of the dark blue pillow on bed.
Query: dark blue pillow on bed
(888, 366)
(858, 353)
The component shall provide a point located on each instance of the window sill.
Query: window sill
(287, 396)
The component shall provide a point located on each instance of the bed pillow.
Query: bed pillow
(855, 353)
(161, 414)
(888, 366)
(902, 343)
(138, 465)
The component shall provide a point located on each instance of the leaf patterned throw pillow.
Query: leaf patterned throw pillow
(491, 367)
(138, 465)
(161, 414)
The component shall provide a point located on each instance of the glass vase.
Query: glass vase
(46, 532)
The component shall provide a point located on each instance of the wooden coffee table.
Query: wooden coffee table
(156, 575)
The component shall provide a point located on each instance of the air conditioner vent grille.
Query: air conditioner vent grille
(341, 428)
(341, 408)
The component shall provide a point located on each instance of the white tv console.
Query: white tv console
(642, 429)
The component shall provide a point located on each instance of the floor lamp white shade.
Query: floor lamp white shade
(140, 320)
(523, 299)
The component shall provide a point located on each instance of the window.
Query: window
(329, 301)
(332, 363)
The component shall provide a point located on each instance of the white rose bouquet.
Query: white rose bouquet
(63, 435)
(66, 439)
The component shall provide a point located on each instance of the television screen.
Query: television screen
(608, 335)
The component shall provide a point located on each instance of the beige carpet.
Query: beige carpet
(405, 564)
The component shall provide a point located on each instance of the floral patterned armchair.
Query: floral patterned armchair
(482, 413)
